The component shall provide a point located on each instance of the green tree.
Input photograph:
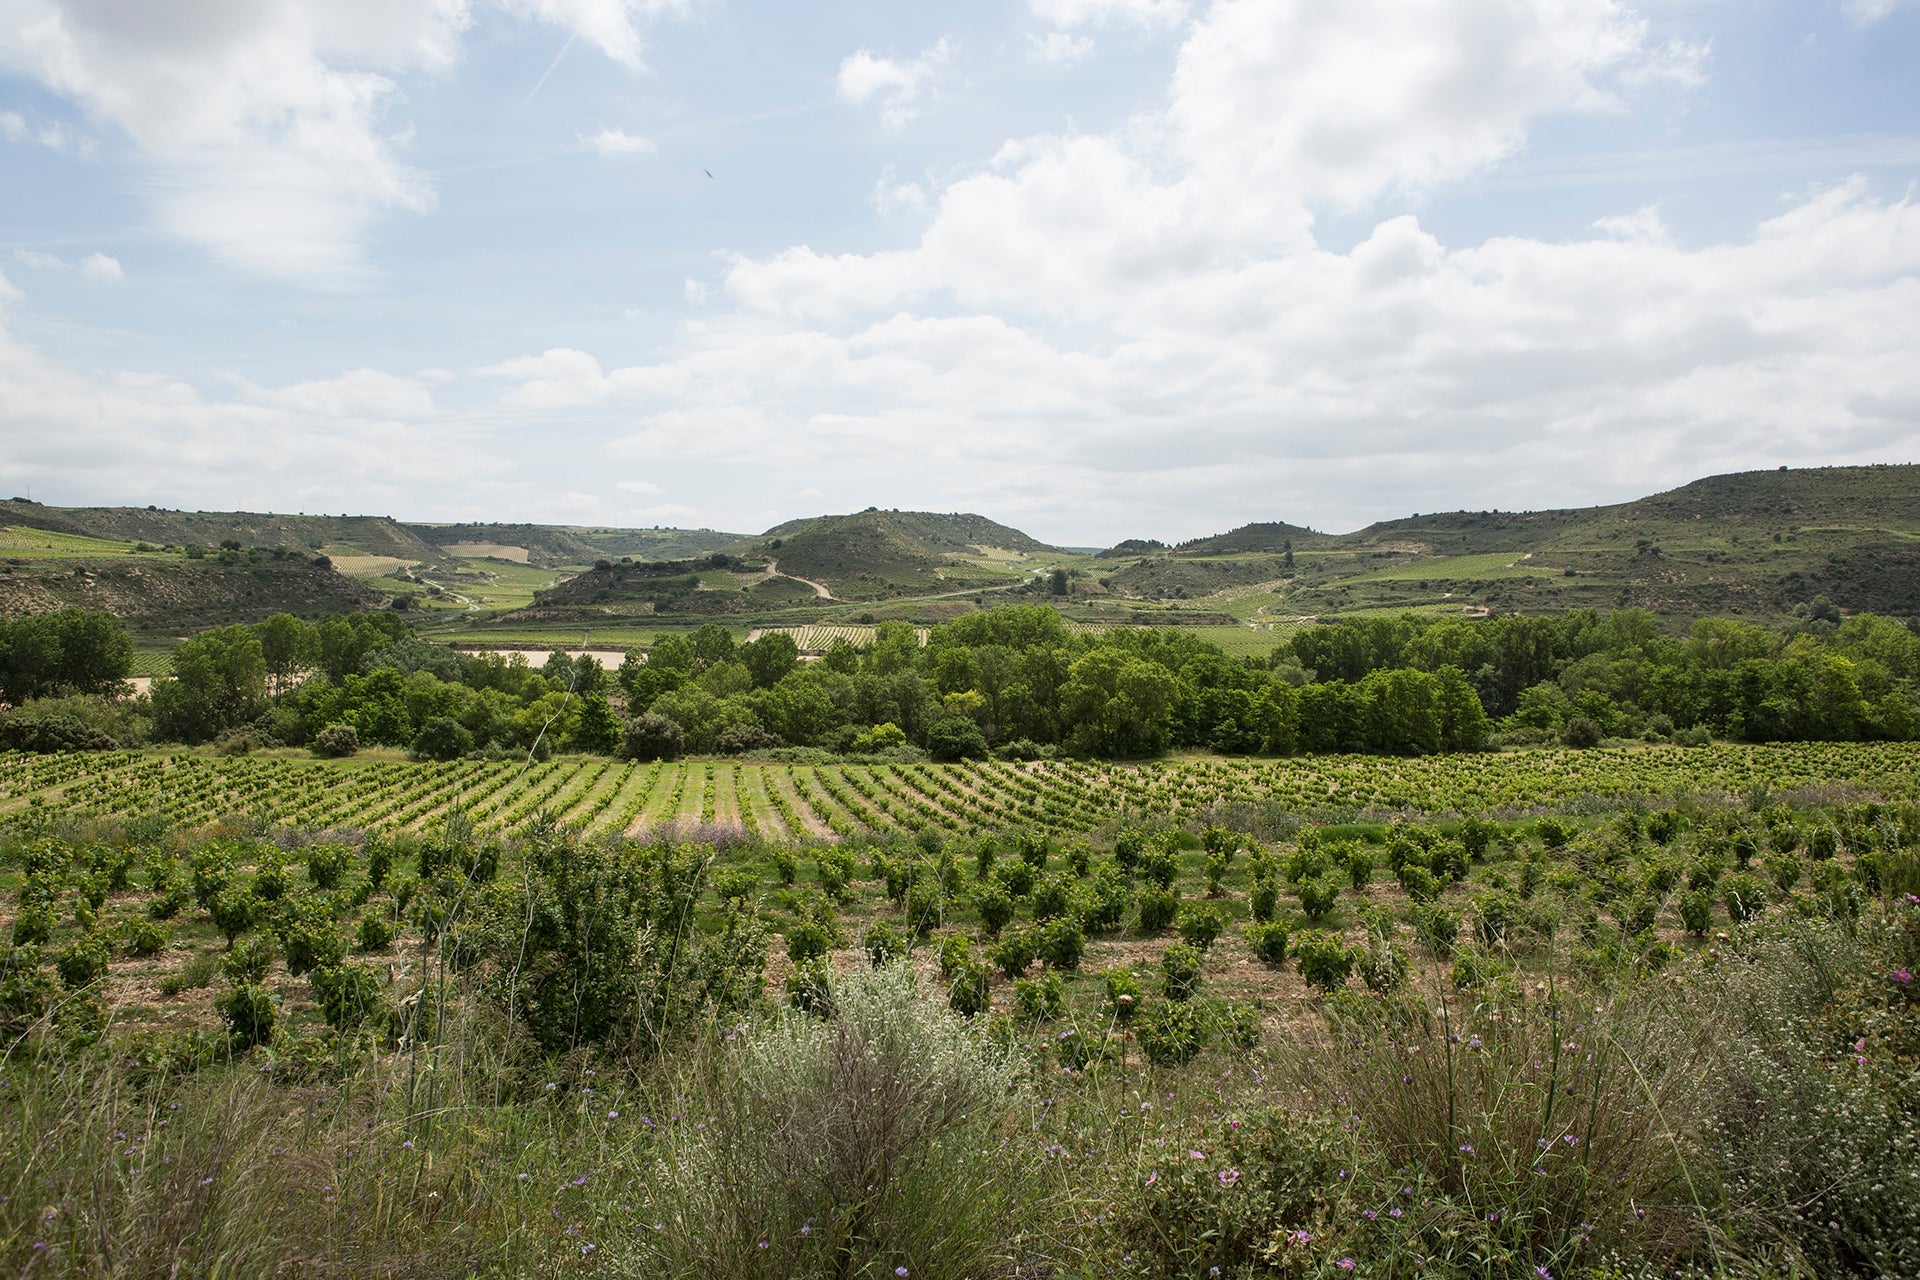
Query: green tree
(597, 729)
(219, 681)
(288, 646)
(770, 658)
(1119, 704)
(66, 651)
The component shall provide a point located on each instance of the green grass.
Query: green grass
(21, 542)
(1499, 564)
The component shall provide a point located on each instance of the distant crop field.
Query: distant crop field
(368, 566)
(823, 636)
(1499, 564)
(21, 542)
(842, 800)
(486, 551)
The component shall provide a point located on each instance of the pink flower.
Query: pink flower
(1229, 1176)
(1902, 977)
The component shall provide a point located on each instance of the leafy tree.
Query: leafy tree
(219, 681)
(652, 737)
(597, 729)
(770, 658)
(956, 738)
(66, 651)
(442, 738)
(288, 646)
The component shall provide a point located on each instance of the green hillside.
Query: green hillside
(333, 535)
(1759, 544)
(880, 555)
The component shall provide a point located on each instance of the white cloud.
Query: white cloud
(265, 125)
(95, 266)
(616, 142)
(1058, 48)
(1142, 13)
(616, 27)
(1864, 13)
(892, 197)
(645, 488)
(98, 266)
(900, 88)
(53, 135)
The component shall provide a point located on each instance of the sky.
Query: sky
(1098, 269)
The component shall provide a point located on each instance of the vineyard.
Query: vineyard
(821, 637)
(785, 802)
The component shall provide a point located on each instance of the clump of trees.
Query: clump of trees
(1015, 681)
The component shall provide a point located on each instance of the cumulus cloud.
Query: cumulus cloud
(617, 142)
(1142, 13)
(900, 89)
(645, 488)
(1058, 48)
(1142, 327)
(266, 126)
(1864, 13)
(52, 135)
(95, 266)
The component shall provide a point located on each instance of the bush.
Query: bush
(1158, 907)
(883, 943)
(1040, 999)
(1696, 911)
(1200, 925)
(348, 994)
(249, 1012)
(1745, 897)
(1270, 1176)
(652, 736)
(956, 738)
(1171, 1033)
(995, 906)
(82, 962)
(1582, 733)
(376, 931)
(808, 940)
(1061, 943)
(1324, 959)
(1179, 972)
(1318, 897)
(248, 962)
(1123, 993)
(233, 910)
(442, 738)
(144, 938)
(1262, 897)
(1269, 941)
(328, 862)
(1437, 927)
(1014, 953)
(969, 989)
(1383, 965)
(853, 1145)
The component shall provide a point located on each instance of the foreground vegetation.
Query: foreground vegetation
(1667, 1034)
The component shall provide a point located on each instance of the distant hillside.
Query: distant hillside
(1275, 536)
(656, 544)
(1758, 543)
(352, 535)
(176, 596)
(546, 545)
(875, 555)
(930, 531)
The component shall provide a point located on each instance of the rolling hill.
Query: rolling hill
(880, 555)
(1761, 544)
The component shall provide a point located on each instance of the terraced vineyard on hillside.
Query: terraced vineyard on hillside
(830, 801)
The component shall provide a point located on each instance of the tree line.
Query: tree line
(1017, 681)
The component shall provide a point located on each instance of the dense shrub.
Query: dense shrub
(336, 741)
(858, 1144)
(651, 736)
